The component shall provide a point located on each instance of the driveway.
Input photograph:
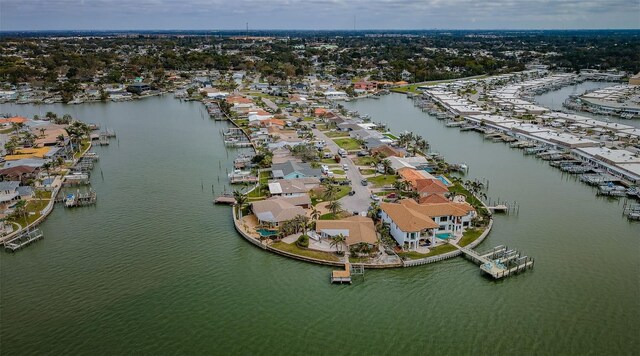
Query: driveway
(360, 201)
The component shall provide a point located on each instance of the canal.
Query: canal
(155, 268)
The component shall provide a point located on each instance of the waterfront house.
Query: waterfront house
(138, 88)
(292, 187)
(388, 151)
(423, 182)
(356, 230)
(19, 173)
(366, 86)
(274, 211)
(8, 193)
(291, 170)
(408, 227)
(413, 224)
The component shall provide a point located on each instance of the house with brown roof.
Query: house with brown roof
(412, 224)
(274, 211)
(356, 230)
(388, 151)
(19, 173)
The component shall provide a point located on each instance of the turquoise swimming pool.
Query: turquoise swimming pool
(444, 180)
(265, 232)
(444, 235)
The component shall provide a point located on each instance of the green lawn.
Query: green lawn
(438, 250)
(293, 248)
(364, 161)
(33, 206)
(348, 144)
(328, 161)
(391, 136)
(367, 171)
(343, 191)
(336, 134)
(338, 171)
(382, 180)
(264, 177)
(469, 236)
(260, 192)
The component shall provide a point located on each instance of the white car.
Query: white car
(375, 197)
(345, 167)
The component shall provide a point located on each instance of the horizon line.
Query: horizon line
(328, 30)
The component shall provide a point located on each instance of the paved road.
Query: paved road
(360, 201)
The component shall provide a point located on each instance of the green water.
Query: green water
(155, 268)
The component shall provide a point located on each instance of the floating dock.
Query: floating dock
(22, 240)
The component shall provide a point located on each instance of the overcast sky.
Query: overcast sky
(317, 14)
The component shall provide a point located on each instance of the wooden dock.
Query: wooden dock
(225, 199)
(22, 240)
(344, 276)
(80, 199)
(500, 262)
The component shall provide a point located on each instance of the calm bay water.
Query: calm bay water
(155, 268)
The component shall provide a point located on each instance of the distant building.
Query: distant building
(138, 88)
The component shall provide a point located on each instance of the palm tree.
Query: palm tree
(302, 221)
(315, 214)
(42, 131)
(17, 126)
(330, 190)
(337, 242)
(241, 200)
(47, 166)
(386, 166)
(374, 211)
(335, 207)
(10, 146)
(19, 211)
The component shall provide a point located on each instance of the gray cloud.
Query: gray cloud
(316, 14)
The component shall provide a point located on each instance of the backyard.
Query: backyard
(382, 180)
(348, 144)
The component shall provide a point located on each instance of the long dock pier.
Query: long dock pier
(500, 262)
(22, 240)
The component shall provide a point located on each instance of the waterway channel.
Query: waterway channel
(155, 268)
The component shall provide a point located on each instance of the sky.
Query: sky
(317, 14)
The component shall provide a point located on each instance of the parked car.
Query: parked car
(392, 196)
(352, 193)
(364, 182)
(345, 167)
(362, 153)
(345, 182)
(375, 197)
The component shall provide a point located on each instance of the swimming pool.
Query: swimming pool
(444, 180)
(444, 235)
(265, 232)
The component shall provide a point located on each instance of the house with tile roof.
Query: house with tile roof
(356, 230)
(413, 224)
(274, 211)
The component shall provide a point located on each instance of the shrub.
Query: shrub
(303, 241)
